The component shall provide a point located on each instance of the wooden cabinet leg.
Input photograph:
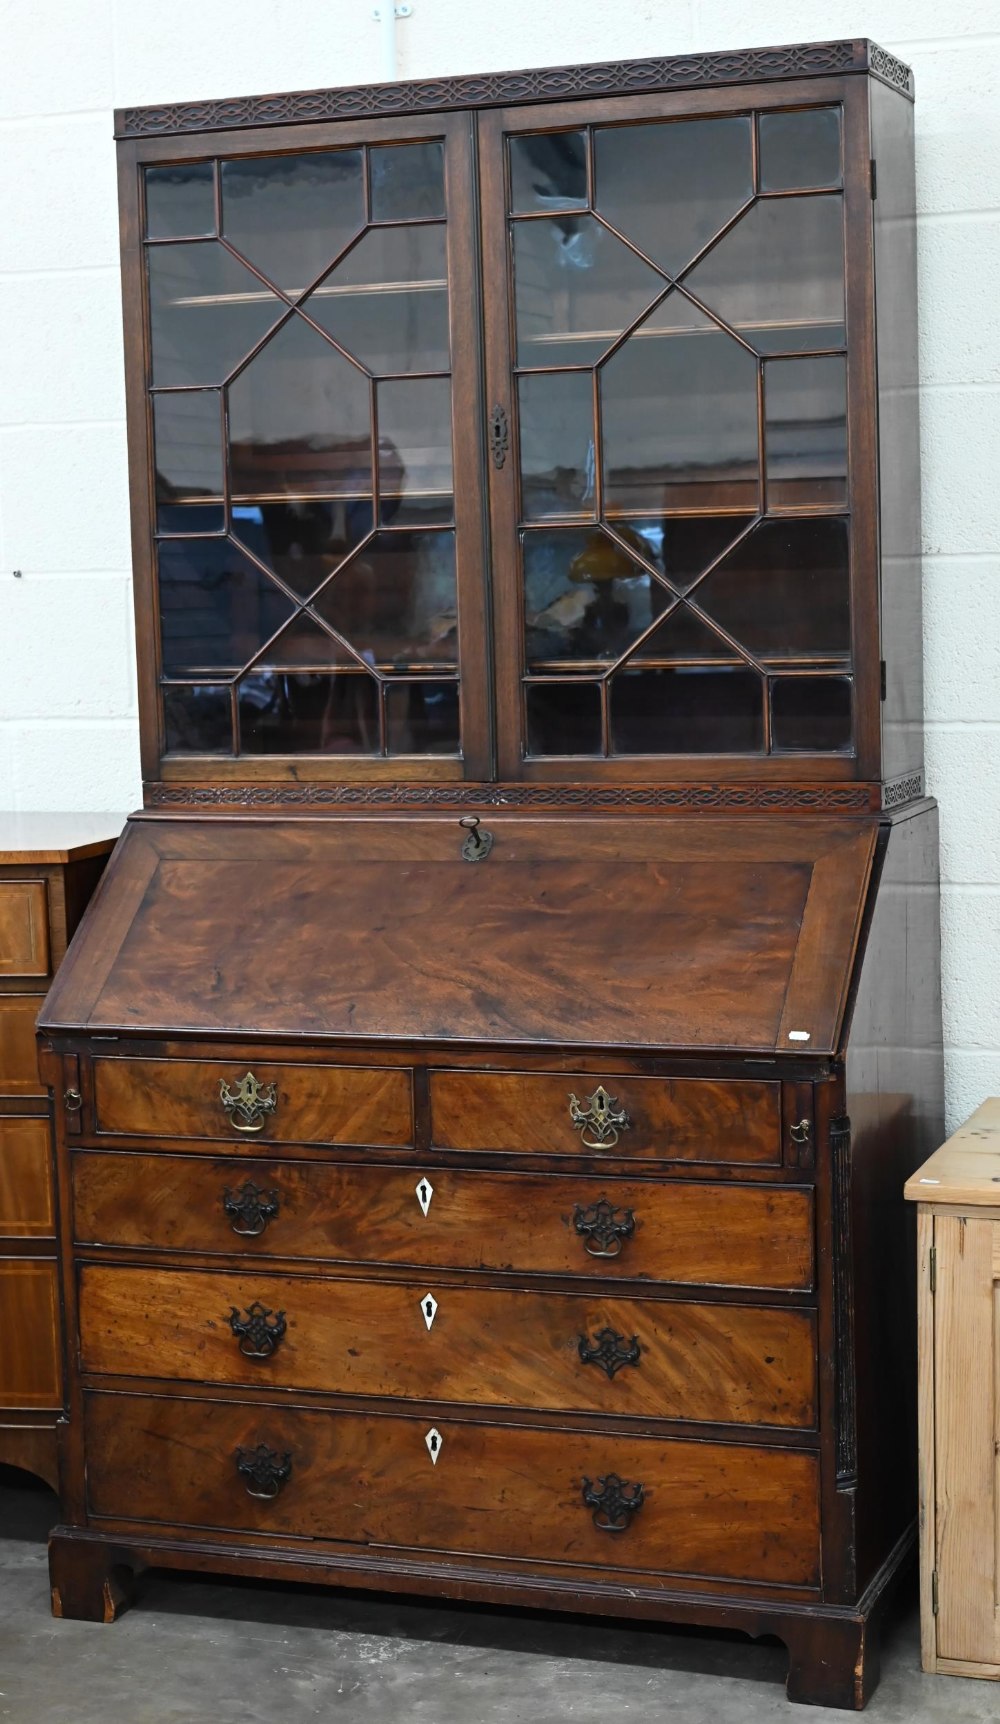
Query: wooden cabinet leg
(832, 1661)
(90, 1581)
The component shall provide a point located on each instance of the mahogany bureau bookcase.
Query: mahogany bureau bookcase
(49, 866)
(502, 1037)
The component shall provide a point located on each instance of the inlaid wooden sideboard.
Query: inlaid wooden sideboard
(49, 866)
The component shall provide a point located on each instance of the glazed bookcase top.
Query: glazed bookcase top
(546, 84)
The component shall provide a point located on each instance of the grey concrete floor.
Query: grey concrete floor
(246, 1653)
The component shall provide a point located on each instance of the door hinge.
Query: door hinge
(934, 1593)
(932, 1268)
(874, 177)
(883, 679)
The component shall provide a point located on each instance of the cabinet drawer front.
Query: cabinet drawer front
(18, 1056)
(671, 1119)
(25, 1178)
(24, 932)
(285, 1104)
(29, 1311)
(705, 1234)
(707, 1509)
(420, 1340)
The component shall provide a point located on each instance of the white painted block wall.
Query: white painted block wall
(68, 732)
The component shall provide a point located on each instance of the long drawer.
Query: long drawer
(671, 1119)
(250, 1100)
(580, 1352)
(608, 1501)
(706, 1234)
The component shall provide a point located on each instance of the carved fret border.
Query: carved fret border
(820, 799)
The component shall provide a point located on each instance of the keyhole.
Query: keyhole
(423, 1194)
(429, 1309)
(434, 1444)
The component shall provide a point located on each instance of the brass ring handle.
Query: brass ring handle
(250, 1209)
(263, 1471)
(603, 1228)
(614, 1501)
(249, 1104)
(601, 1116)
(72, 1100)
(259, 1332)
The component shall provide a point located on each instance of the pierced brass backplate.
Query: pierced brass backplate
(249, 1103)
(601, 1116)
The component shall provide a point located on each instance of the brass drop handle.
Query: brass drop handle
(614, 1501)
(250, 1209)
(259, 1331)
(609, 1350)
(601, 1116)
(249, 1104)
(603, 1228)
(72, 1100)
(263, 1471)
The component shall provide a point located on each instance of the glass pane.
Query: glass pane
(414, 450)
(556, 423)
(187, 433)
(548, 170)
(670, 186)
(216, 608)
(206, 312)
(683, 635)
(800, 149)
(422, 717)
(680, 424)
(811, 712)
(805, 407)
(576, 288)
(190, 518)
(687, 711)
(396, 601)
(683, 546)
(407, 181)
(198, 720)
(784, 591)
(778, 275)
(563, 717)
(180, 201)
(300, 420)
(302, 542)
(291, 216)
(387, 302)
(281, 713)
(584, 598)
(304, 645)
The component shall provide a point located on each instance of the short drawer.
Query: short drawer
(706, 1233)
(24, 929)
(18, 1054)
(26, 1207)
(594, 1500)
(30, 1350)
(580, 1352)
(252, 1100)
(672, 1119)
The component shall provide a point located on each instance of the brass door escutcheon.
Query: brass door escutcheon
(610, 1351)
(601, 1116)
(603, 1228)
(614, 1501)
(249, 1103)
(478, 844)
(250, 1209)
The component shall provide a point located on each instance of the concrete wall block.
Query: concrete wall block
(959, 286)
(61, 355)
(970, 940)
(72, 658)
(970, 1075)
(58, 192)
(65, 494)
(960, 495)
(962, 774)
(961, 662)
(62, 63)
(76, 765)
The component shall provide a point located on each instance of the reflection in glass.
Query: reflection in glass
(304, 645)
(670, 186)
(556, 424)
(576, 288)
(299, 420)
(812, 712)
(396, 601)
(190, 518)
(563, 717)
(387, 302)
(304, 541)
(198, 719)
(407, 181)
(683, 546)
(216, 607)
(778, 275)
(548, 170)
(414, 436)
(680, 424)
(283, 713)
(187, 437)
(206, 312)
(292, 215)
(422, 717)
(584, 597)
(689, 710)
(683, 635)
(800, 148)
(805, 411)
(180, 201)
(784, 592)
